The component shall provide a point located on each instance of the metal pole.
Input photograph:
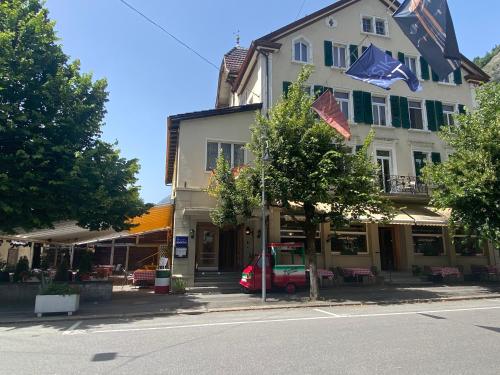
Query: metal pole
(263, 230)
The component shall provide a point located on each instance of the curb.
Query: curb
(240, 308)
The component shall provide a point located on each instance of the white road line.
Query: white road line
(292, 319)
(326, 312)
(70, 329)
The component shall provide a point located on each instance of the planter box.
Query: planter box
(56, 303)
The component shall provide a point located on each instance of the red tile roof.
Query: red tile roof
(234, 59)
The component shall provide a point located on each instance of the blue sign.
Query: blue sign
(181, 247)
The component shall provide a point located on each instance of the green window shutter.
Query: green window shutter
(405, 114)
(318, 90)
(286, 87)
(436, 157)
(430, 106)
(395, 111)
(367, 107)
(457, 76)
(327, 89)
(424, 69)
(358, 107)
(389, 53)
(439, 114)
(401, 57)
(435, 77)
(353, 53)
(363, 49)
(328, 53)
(461, 109)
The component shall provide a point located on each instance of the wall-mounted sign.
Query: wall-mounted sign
(181, 247)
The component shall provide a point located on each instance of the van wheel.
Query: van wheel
(290, 288)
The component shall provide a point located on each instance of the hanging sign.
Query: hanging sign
(181, 247)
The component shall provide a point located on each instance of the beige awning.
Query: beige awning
(407, 215)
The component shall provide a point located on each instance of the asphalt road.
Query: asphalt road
(434, 338)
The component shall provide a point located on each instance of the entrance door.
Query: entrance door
(207, 247)
(228, 248)
(387, 259)
(384, 163)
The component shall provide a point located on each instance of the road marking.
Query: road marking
(69, 331)
(330, 316)
(326, 312)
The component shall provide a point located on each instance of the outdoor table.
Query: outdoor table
(144, 277)
(324, 274)
(355, 272)
(108, 269)
(445, 271)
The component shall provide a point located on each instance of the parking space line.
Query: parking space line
(327, 312)
(70, 330)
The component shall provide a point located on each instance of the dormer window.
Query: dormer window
(301, 51)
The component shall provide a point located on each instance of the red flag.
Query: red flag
(328, 109)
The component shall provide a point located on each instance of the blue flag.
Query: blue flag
(428, 24)
(378, 68)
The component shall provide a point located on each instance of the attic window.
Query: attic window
(301, 51)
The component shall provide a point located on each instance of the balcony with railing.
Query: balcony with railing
(404, 185)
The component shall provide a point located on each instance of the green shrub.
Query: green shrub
(85, 266)
(22, 269)
(55, 289)
(179, 285)
(62, 271)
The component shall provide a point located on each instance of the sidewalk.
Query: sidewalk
(143, 302)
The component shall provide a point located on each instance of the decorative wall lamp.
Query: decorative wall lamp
(248, 231)
(191, 233)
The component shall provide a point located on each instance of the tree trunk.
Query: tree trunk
(310, 232)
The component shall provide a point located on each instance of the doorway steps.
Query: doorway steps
(207, 282)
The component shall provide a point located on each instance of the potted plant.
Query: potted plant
(178, 286)
(85, 266)
(57, 297)
(22, 271)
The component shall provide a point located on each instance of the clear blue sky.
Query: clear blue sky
(150, 76)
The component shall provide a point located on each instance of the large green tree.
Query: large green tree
(310, 167)
(53, 164)
(468, 182)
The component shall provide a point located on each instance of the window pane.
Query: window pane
(382, 115)
(380, 27)
(297, 52)
(432, 246)
(342, 57)
(448, 108)
(376, 120)
(239, 155)
(226, 152)
(341, 95)
(416, 121)
(348, 243)
(378, 100)
(367, 25)
(304, 52)
(212, 151)
(383, 153)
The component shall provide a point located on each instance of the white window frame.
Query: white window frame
(305, 41)
(371, 23)
(378, 105)
(425, 151)
(386, 146)
(365, 233)
(416, 72)
(346, 56)
(446, 114)
(422, 108)
(348, 100)
(374, 20)
(219, 141)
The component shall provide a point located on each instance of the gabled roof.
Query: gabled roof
(476, 73)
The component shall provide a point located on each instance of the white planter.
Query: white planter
(56, 303)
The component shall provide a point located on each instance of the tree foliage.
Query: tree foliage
(310, 170)
(482, 61)
(53, 164)
(233, 192)
(468, 182)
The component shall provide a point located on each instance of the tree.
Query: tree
(53, 164)
(310, 166)
(468, 182)
(233, 192)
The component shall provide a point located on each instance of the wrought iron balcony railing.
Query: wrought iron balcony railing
(405, 185)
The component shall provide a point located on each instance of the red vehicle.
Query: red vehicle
(285, 268)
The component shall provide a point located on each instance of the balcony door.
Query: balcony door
(384, 162)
